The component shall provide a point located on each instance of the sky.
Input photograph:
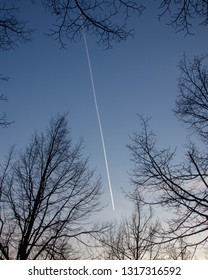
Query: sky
(138, 76)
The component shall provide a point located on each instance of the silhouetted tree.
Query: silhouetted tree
(182, 188)
(101, 17)
(96, 17)
(4, 122)
(179, 251)
(46, 198)
(13, 30)
(192, 100)
(108, 20)
(134, 237)
(3, 119)
(185, 13)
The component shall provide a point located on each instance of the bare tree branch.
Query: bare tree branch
(95, 17)
(181, 188)
(192, 100)
(4, 122)
(13, 31)
(184, 12)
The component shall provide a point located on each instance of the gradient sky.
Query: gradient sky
(138, 76)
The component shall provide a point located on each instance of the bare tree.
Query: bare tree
(107, 19)
(182, 187)
(4, 122)
(134, 237)
(3, 119)
(13, 30)
(100, 17)
(94, 16)
(47, 196)
(192, 100)
(179, 250)
(184, 13)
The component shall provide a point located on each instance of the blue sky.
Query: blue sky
(138, 76)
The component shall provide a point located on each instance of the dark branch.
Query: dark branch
(94, 17)
(13, 31)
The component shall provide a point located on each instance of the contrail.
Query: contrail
(99, 121)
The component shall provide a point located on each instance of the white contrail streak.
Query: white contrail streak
(99, 121)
